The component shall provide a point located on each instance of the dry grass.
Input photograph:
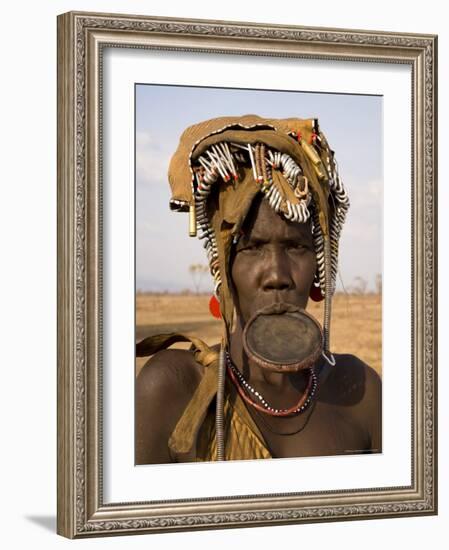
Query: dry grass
(356, 322)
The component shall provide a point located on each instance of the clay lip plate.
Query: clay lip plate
(283, 337)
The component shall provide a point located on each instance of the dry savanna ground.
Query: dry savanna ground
(356, 326)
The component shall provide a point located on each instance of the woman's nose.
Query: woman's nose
(277, 273)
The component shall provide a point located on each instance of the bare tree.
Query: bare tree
(197, 271)
(378, 283)
(360, 285)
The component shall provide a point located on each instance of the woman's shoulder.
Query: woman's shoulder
(348, 363)
(170, 370)
(351, 380)
(358, 388)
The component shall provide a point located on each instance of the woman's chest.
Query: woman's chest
(319, 431)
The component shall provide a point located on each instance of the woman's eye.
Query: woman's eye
(252, 248)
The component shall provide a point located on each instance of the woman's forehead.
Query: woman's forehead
(263, 222)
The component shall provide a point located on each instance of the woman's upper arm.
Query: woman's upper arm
(374, 394)
(164, 387)
(150, 430)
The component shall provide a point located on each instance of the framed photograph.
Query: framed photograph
(280, 368)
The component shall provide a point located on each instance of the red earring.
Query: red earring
(315, 293)
(214, 307)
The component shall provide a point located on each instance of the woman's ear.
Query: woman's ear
(315, 290)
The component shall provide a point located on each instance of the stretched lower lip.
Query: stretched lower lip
(278, 308)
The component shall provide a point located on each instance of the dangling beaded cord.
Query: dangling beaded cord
(327, 301)
(219, 413)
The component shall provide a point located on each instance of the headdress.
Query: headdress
(223, 163)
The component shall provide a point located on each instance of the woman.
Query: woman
(267, 199)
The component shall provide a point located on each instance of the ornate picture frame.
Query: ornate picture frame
(82, 40)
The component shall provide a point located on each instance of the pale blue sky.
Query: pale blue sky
(353, 125)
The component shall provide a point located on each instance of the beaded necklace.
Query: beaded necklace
(245, 390)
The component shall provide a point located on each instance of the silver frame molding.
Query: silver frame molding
(81, 39)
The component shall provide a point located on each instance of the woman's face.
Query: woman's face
(274, 261)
